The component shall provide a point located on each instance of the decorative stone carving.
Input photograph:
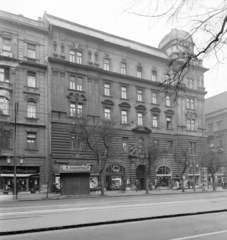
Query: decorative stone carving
(76, 97)
(124, 105)
(191, 114)
(31, 97)
(156, 110)
(108, 102)
(141, 129)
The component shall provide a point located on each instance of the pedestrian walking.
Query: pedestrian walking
(189, 184)
(156, 184)
(137, 183)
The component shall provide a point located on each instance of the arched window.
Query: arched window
(72, 56)
(79, 57)
(163, 170)
(154, 76)
(4, 105)
(106, 64)
(31, 110)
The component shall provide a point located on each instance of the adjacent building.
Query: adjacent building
(216, 124)
(24, 93)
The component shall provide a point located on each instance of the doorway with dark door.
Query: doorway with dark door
(140, 176)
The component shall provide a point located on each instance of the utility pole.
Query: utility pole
(14, 148)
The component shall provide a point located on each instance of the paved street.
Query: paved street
(25, 215)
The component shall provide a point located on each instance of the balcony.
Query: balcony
(5, 85)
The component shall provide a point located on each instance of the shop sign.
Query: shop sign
(61, 161)
(83, 168)
(22, 170)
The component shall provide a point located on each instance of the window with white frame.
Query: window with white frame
(31, 110)
(107, 89)
(124, 117)
(191, 124)
(79, 57)
(107, 113)
(168, 103)
(125, 144)
(79, 85)
(154, 76)
(72, 109)
(189, 83)
(76, 109)
(4, 74)
(79, 110)
(139, 95)
(168, 122)
(140, 119)
(155, 121)
(123, 68)
(6, 44)
(31, 51)
(139, 72)
(72, 56)
(4, 105)
(31, 79)
(72, 83)
(31, 141)
(106, 64)
(124, 92)
(190, 103)
(154, 98)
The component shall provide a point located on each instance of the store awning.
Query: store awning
(18, 175)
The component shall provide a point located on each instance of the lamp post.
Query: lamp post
(193, 158)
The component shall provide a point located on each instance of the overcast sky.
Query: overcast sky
(109, 16)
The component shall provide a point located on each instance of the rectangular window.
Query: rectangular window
(140, 119)
(4, 105)
(192, 147)
(154, 76)
(72, 84)
(123, 92)
(72, 109)
(191, 124)
(167, 100)
(31, 51)
(79, 57)
(124, 117)
(219, 125)
(72, 56)
(79, 110)
(189, 83)
(31, 140)
(79, 85)
(106, 64)
(190, 103)
(123, 68)
(107, 114)
(125, 144)
(76, 142)
(168, 123)
(31, 110)
(139, 95)
(31, 79)
(139, 72)
(6, 44)
(107, 89)
(154, 121)
(169, 146)
(4, 75)
(154, 98)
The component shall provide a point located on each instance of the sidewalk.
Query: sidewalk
(27, 196)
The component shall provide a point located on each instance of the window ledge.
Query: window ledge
(33, 120)
(168, 106)
(108, 96)
(125, 124)
(156, 104)
(191, 109)
(124, 99)
(140, 101)
(170, 129)
(74, 90)
(31, 88)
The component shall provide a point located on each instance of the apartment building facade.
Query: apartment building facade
(24, 102)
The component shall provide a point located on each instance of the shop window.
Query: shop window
(79, 57)
(4, 74)
(139, 72)
(72, 56)
(125, 144)
(106, 64)
(124, 92)
(31, 51)
(154, 76)
(31, 110)
(123, 68)
(140, 119)
(107, 113)
(31, 79)
(31, 141)
(107, 89)
(4, 105)
(124, 117)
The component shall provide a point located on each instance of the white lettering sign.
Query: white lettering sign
(76, 168)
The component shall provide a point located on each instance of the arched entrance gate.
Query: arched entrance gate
(115, 176)
(141, 177)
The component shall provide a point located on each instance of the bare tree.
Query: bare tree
(204, 21)
(152, 154)
(99, 136)
(211, 161)
(182, 160)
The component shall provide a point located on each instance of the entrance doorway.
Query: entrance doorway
(140, 176)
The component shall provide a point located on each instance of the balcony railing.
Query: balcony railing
(5, 85)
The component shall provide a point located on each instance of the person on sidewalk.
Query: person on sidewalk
(189, 184)
(137, 185)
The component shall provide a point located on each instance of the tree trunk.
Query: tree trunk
(101, 183)
(147, 185)
(213, 182)
(182, 181)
